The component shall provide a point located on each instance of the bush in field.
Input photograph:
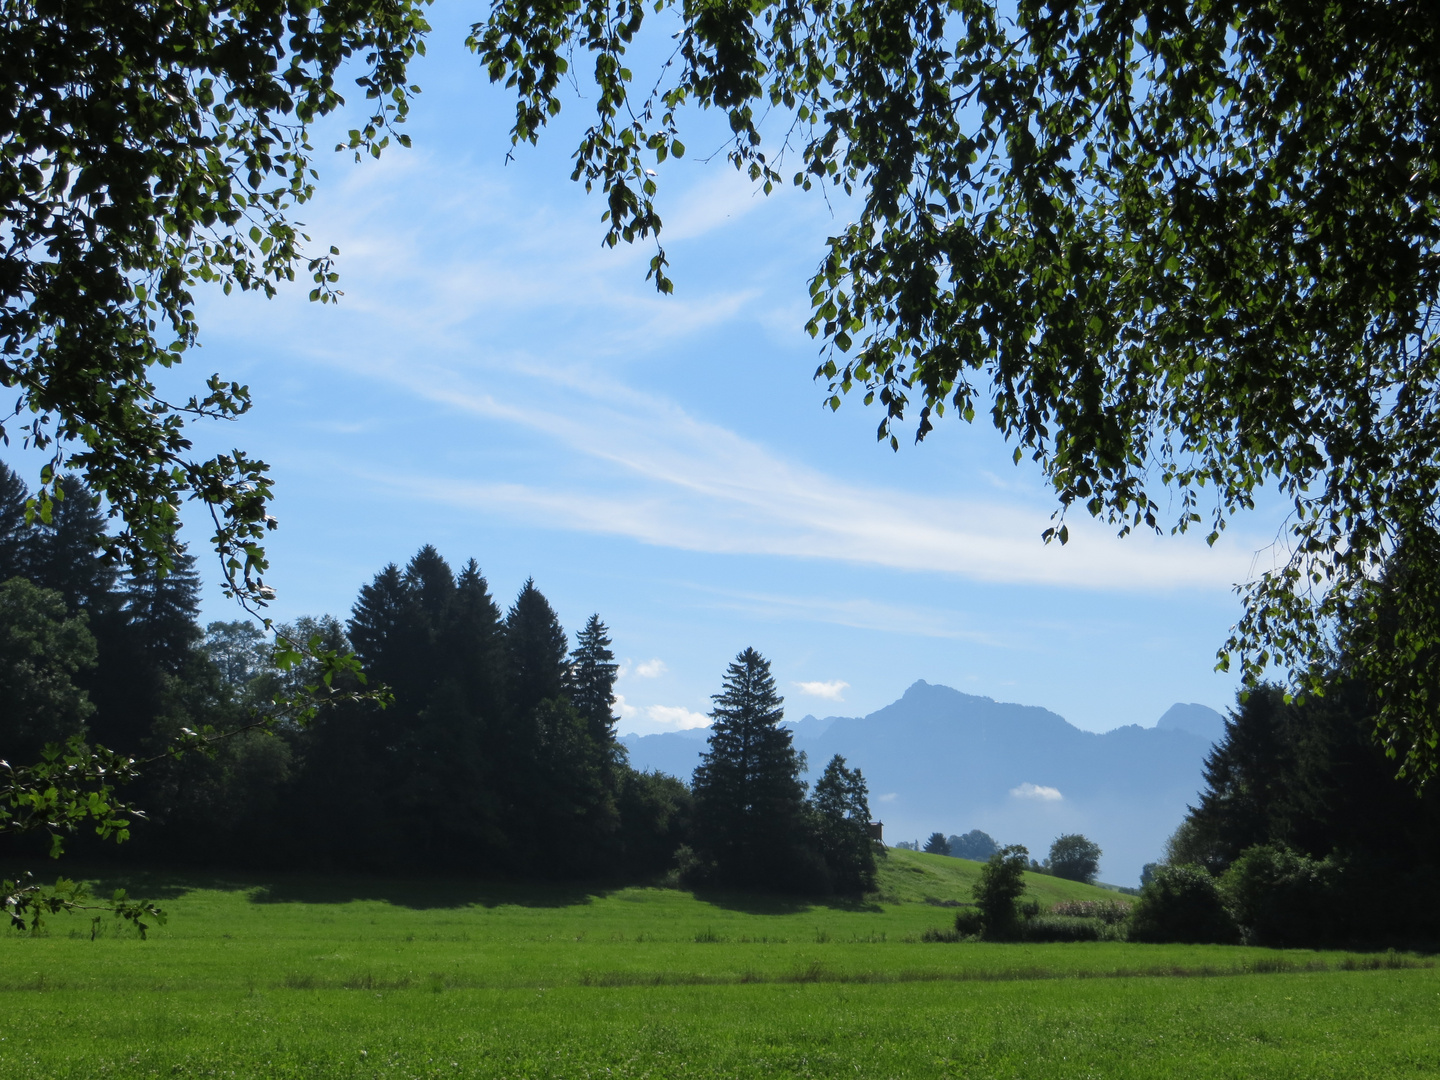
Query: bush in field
(1001, 883)
(1182, 903)
(1281, 898)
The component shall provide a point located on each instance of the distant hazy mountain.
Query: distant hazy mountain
(940, 760)
(1196, 719)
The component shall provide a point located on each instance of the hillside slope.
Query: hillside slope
(908, 877)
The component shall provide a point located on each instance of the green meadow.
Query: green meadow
(325, 977)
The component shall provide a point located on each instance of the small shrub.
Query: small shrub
(969, 922)
(1184, 904)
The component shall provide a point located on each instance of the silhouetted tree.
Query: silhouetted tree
(536, 645)
(750, 816)
(162, 609)
(591, 679)
(15, 534)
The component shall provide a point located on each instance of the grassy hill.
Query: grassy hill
(915, 877)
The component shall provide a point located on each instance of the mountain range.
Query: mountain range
(940, 760)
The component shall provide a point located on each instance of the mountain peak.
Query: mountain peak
(1194, 718)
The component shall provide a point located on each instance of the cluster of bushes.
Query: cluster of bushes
(1270, 895)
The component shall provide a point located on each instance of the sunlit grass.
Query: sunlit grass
(305, 977)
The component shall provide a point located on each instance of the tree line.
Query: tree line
(497, 752)
(1302, 835)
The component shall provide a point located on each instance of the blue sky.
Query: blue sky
(498, 384)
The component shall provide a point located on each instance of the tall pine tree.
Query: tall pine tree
(592, 680)
(751, 820)
(536, 644)
(15, 534)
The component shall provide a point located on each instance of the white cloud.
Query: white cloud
(676, 717)
(889, 797)
(655, 719)
(433, 314)
(651, 669)
(1037, 792)
(680, 482)
(828, 690)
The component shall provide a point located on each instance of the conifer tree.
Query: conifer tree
(431, 585)
(592, 679)
(163, 609)
(536, 646)
(64, 553)
(376, 618)
(14, 532)
(475, 642)
(750, 813)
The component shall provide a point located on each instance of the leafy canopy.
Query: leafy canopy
(146, 149)
(1178, 250)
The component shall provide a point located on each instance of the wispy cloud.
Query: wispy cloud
(453, 322)
(651, 669)
(1037, 792)
(831, 691)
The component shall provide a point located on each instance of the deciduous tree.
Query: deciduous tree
(1178, 251)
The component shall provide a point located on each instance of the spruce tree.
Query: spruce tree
(536, 646)
(431, 585)
(15, 534)
(474, 642)
(592, 679)
(65, 552)
(162, 611)
(751, 825)
(376, 618)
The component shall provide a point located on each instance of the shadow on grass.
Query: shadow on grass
(759, 903)
(422, 893)
(418, 893)
(168, 883)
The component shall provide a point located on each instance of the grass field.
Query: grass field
(292, 977)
